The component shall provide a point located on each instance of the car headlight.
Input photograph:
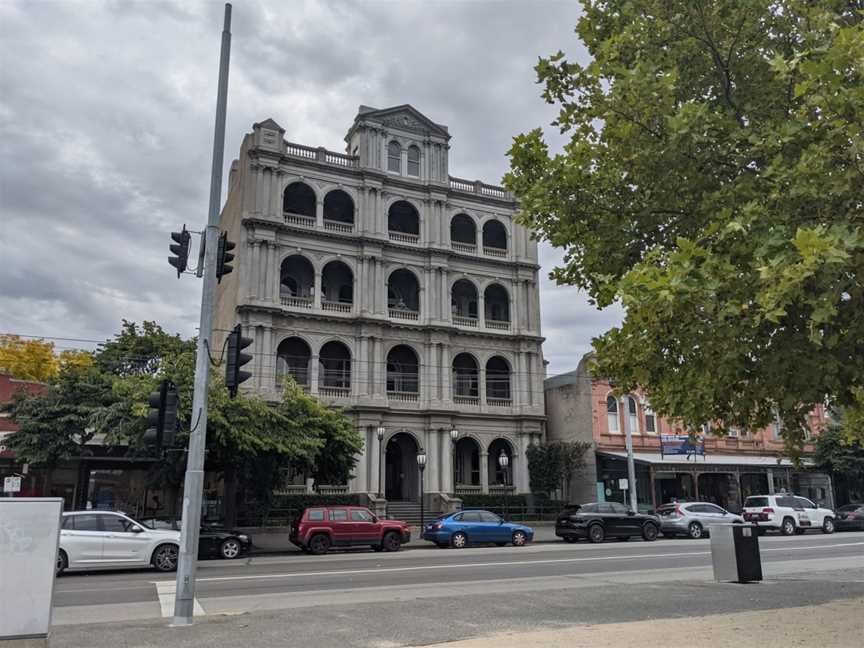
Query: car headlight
(243, 538)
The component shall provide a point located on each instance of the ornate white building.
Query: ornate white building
(386, 286)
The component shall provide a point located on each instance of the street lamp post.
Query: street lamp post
(380, 432)
(421, 464)
(504, 461)
(454, 435)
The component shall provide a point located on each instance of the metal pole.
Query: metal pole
(422, 470)
(631, 468)
(184, 601)
(380, 467)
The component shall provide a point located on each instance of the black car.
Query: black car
(849, 518)
(600, 520)
(213, 541)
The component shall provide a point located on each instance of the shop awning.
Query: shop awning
(761, 461)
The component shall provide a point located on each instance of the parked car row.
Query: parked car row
(110, 540)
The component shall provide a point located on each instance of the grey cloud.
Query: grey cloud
(106, 120)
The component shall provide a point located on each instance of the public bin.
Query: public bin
(735, 553)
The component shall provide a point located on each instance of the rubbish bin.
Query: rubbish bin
(735, 553)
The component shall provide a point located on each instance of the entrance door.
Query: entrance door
(400, 468)
(393, 475)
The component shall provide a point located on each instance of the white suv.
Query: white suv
(106, 540)
(788, 514)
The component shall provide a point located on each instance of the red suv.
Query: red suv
(322, 527)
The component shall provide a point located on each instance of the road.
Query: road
(525, 577)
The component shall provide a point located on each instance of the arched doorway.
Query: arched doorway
(401, 475)
(499, 476)
(467, 467)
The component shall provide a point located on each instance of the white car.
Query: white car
(108, 540)
(788, 514)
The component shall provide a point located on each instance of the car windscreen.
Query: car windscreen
(848, 508)
(753, 502)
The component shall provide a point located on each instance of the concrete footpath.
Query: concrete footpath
(838, 624)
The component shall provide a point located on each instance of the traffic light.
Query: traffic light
(236, 359)
(180, 247)
(162, 417)
(224, 256)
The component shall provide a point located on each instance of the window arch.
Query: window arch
(413, 161)
(334, 371)
(612, 414)
(292, 360)
(633, 415)
(650, 419)
(494, 236)
(403, 370)
(463, 230)
(299, 199)
(394, 157)
(339, 207)
(403, 291)
(297, 280)
(463, 299)
(337, 284)
(497, 381)
(466, 377)
(497, 303)
(402, 217)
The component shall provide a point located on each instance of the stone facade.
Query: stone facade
(390, 288)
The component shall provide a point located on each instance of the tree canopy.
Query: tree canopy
(712, 185)
(35, 359)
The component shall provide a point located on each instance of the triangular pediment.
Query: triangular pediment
(269, 124)
(404, 117)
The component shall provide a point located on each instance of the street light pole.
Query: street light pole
(504, 461)
(631, 468)
(184, 599)
(380, 432)
(454, 435)
(421, 464)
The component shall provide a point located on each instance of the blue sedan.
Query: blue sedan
(458, 530)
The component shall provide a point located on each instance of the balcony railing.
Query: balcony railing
(498, 324)
(320, 154)
(468, 489)
(299, 220)
(331, 489)
(403, 237)
(338, 307)
(494, 251)
(478, 187)
(501, 488)
(460, 320)
(405, 314)
(404, 397)
(296, 302)
(466, 400)
(334, 392)
(470, 248)
(338, 226)
(499, 402)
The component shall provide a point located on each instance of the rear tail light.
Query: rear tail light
(768, 510)
(437, 526)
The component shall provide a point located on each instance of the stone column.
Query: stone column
(433, 464)
(522, 483)
(484, 472)
(361, 480)
(375, 462)
(313, 374)
(317, 297)
(447, 485)
(269, 360)
(481, 387)
(481, 308)
(255, 270)
(319, 214)
(267, 274)
(446, 375)
(519, 380)
(273, 194)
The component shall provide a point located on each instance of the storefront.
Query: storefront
(725, 480)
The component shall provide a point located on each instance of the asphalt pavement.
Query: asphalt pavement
(360, 598)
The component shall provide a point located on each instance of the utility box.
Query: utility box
(735, 553)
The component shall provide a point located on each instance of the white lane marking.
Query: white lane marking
(166, 591)
(347, 572)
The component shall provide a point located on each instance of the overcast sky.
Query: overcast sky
(106, 122)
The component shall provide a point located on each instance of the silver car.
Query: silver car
(693, 519)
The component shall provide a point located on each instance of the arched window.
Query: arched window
(413, 161)
(463, 230)
(494, 237)
(297, 281)
(402, 218)
(463, 299)
(403, 371)
(650, 420)
(403, 294)
(497, 304)
(466, 377)
(394, 157)
(299, 199)
(497, 381)
(334, 370)
(502, 476)
(612, 414)
(467, 467)
(292, 359)
(633, 415)
(338, 207)
(337, 286)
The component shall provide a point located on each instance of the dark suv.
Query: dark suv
(600, 520)
(323, 527)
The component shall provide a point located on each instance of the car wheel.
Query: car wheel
(828, 525)
(694, 530)
(319, 544)
(649, 532)
(62, 562)
(788, 526)
(596, 533)
(165, 557)
(230, 549)
(459, 540)
(392, 542)
(520, 539)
